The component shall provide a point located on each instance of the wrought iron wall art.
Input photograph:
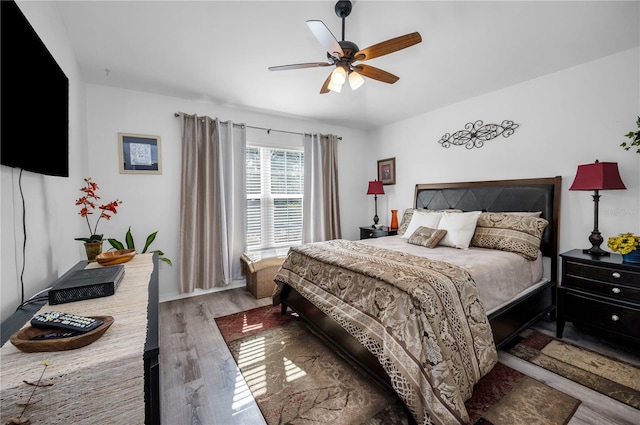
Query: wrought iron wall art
(476, 133)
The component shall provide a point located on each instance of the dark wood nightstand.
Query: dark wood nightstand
(600, 292)
(367, 232)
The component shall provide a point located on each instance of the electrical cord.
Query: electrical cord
(33, 300)
(24, 241)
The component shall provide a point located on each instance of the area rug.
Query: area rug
(296, 378)
(608, 376)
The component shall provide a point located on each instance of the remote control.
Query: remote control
(54, 335)
(66, 321)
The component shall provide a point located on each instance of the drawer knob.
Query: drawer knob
(370, 234)
(616, 275)
(616, 290)
(615, 318)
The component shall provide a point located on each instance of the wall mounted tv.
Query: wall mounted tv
(34, 107)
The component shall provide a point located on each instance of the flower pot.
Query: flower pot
(632, 257)
(93, 249)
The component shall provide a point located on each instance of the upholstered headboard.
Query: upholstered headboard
(541, 194)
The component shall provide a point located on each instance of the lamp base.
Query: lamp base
(596, 240)
(596, 251)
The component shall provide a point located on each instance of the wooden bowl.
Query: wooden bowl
(22, 339)
(115, 257)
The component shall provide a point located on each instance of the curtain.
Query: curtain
(321, 209)
(212, 219)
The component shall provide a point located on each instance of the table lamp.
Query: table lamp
(597, 176)
(375, 189)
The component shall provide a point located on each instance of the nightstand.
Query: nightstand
(367, 232)
(600, 292)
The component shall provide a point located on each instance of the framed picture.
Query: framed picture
(139, 154)
(387, 171)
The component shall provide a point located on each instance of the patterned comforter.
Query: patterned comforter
(421, 318)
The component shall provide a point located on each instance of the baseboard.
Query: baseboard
(176, 296)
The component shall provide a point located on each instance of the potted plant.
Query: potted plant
(88, 203)
(116, 244)
(634, 137)
(626, 244)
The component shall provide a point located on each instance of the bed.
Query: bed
(429, 343)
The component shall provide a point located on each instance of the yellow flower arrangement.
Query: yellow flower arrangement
(624, 243)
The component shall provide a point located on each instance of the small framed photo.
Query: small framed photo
(139, 154)
(387, 171)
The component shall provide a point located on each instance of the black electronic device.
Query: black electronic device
(86, 284)
(35, 95)
(65, 321)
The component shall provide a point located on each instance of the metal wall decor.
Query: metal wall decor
(476, 133)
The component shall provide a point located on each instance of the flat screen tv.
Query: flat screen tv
(34, 107)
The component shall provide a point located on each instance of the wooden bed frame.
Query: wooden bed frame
(540, 194)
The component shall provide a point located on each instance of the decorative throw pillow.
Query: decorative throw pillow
(525, 213)
(426, 236)
(509, 232)
(404, 223)
(460, 228)
(421, 218)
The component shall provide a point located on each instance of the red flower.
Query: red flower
(88, 205)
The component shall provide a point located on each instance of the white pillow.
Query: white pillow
(421, 218)
(460, 228)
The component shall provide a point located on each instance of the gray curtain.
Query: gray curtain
(321, 206)
(212, 213)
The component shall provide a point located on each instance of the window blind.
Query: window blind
(274, 197)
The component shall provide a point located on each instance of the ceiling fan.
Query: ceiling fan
(343, 54)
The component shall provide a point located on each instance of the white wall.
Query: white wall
(51, 215)
(151, 202)
(568, 118)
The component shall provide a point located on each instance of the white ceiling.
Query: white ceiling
(220, 50)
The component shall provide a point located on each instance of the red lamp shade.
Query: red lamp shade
(598, 176)
(375, 188)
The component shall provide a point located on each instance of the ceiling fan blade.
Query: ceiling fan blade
(326, 38)
(299, 65)
(325, 87)
(376, 74)
(389, 46)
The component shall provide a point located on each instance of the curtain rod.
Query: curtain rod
(268, 130)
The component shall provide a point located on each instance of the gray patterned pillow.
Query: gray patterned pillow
(508, 232)
(425, 236)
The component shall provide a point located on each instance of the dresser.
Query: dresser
(113, 380)
(600, 292)
(367, 232)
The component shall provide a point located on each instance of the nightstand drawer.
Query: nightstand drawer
(610, 290)
(602, 314)
(605, 274)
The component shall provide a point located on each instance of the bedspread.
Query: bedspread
(421, 318)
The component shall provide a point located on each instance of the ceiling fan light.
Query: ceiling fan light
(355, 80)
(338, 76)
(334, 87)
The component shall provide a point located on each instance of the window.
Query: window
(274, 197)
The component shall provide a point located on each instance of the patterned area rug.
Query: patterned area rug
(296, 379)
(608, 376)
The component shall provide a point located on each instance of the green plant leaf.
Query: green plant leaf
(166, 260)
(116, 244)
(150, 239)
(129, 238)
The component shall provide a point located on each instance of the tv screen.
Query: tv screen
(34, 107)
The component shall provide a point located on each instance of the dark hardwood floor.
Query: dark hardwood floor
(200, 383)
